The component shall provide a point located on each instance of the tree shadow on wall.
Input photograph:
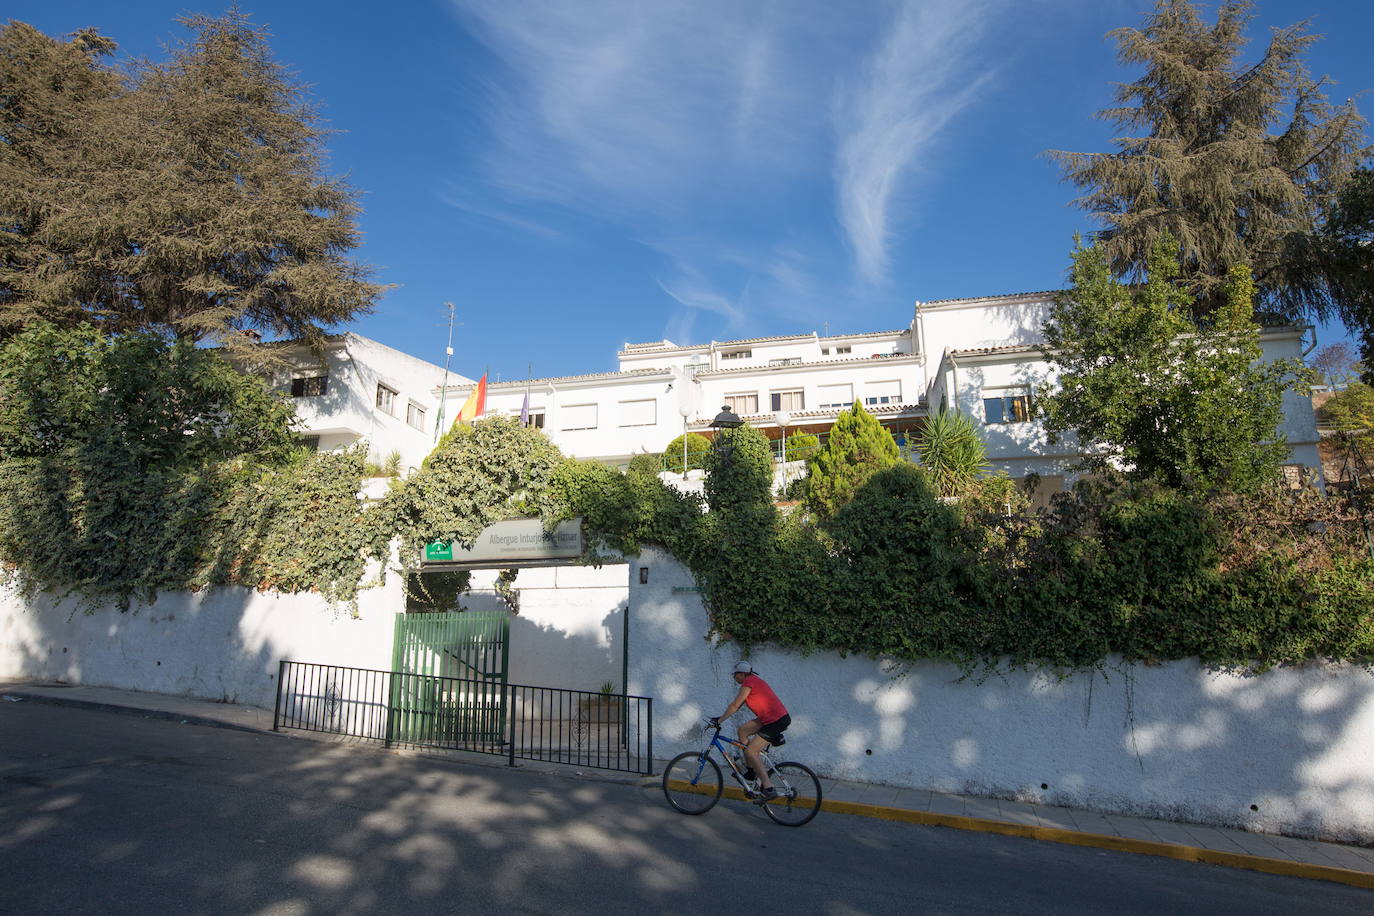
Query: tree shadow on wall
(1280, 752)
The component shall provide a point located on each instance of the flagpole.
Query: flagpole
(443, 393)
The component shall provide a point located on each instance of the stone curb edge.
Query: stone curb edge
(184, 718)
(1285, 867)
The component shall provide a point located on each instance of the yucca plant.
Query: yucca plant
(952, 453)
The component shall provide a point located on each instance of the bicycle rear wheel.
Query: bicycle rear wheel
(692, 783)
(799, 794)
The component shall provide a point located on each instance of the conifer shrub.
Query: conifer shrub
(858, 448)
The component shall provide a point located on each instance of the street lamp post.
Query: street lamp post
(726, 419)
(685, 409)
(783, 418)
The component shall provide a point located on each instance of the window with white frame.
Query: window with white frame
(310, 386)
(639, 413)
(787, 400)
(386, 399)
(743, 404)
(415, 415)
(536, 420)
(835, 395)
(840, 351)
(577, 416)
(736, 354)
(878, 393)
(1006, 405)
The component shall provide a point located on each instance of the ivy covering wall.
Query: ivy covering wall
(133, 465)
(1117, 568)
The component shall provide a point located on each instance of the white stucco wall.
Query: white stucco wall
(1172, 741)
(219, 644)
(569, 630)
(969, 323)
(225, 643)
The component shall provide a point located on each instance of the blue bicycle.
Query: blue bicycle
(693, 783)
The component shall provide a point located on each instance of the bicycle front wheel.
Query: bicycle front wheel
(692, 783)
(799, 795)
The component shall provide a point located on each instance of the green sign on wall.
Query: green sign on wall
(438, 550)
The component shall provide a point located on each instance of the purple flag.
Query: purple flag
(525, 411)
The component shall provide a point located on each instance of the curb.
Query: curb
(1285, 867)
(183, 718)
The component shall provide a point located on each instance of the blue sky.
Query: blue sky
(574, 175)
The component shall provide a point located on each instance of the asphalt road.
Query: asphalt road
(106, 813)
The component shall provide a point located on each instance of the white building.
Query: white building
(358, 390)
(662, 389)
(982, 356)
(990, 361)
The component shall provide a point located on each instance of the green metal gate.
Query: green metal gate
(472, 646)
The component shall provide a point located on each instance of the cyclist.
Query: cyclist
(769, 722)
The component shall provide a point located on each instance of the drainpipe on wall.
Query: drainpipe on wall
(954, 376)
(918, 344)
(1311, 346)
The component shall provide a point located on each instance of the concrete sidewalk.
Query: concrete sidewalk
(1352, 865)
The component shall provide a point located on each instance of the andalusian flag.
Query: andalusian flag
(476, 404)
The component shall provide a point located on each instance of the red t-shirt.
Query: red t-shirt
(762, 701)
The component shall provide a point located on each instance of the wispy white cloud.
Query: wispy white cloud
(711, 119)
(488, 212)
(924, 73)
(690, 288)
(637, 105)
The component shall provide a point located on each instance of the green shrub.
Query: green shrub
(801, 447)
(698, 447)
(858, 448)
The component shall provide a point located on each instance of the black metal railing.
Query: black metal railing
(611, 731)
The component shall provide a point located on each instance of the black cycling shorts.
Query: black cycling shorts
(773, 730)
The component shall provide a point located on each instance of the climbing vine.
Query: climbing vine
(93, 503)
(1117, 568)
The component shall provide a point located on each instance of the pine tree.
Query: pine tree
(1345, 251)
(185, 197)
(1238, 164)
(50, 92)
(858, 448)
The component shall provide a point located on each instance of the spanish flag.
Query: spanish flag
(476, 404)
